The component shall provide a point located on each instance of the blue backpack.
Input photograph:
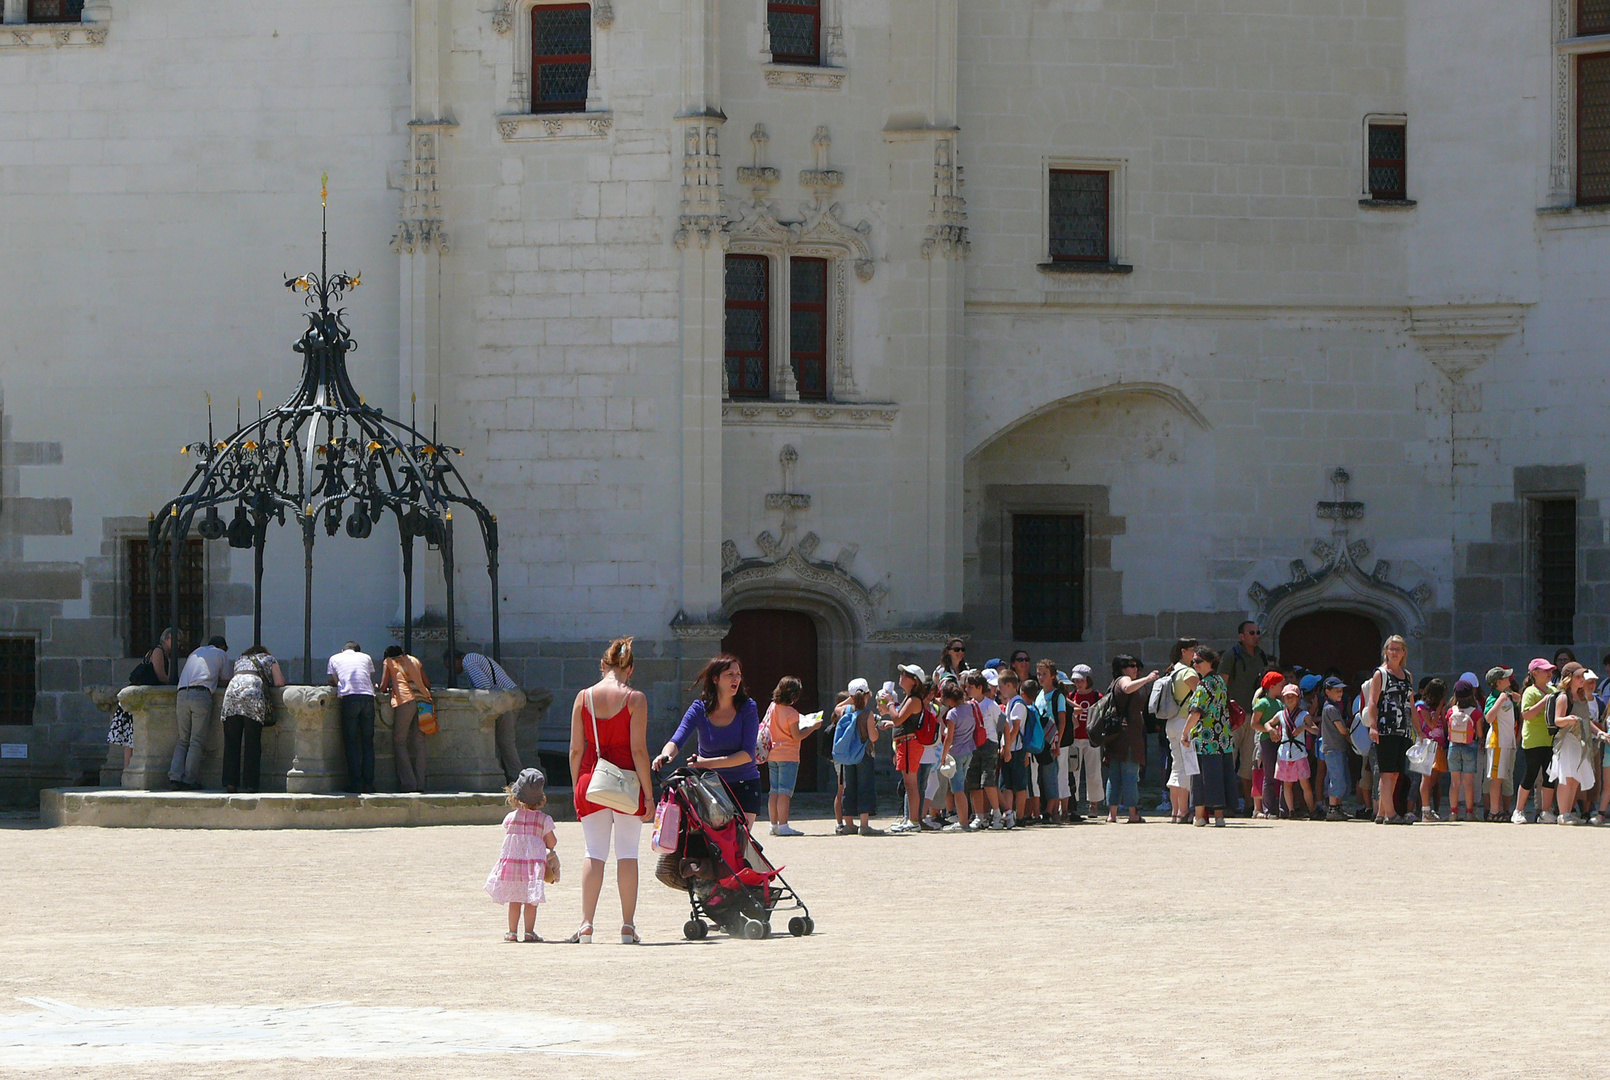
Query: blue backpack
(849, 748)
(1033, 729)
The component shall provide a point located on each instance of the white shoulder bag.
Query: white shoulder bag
(611, 785)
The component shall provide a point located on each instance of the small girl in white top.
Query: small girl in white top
(528, 857)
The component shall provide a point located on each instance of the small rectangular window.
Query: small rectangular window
(17, 686)
(1388, 162)
(561, 57)
(55, 11)
(1593, 128)
(1080, 215)
(807, 325)
(748, 326)
(192, 594)
(1554, 569)
(1592, 17)
(1048, 577)
(796, 31)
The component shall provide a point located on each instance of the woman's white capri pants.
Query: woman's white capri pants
(597, 827)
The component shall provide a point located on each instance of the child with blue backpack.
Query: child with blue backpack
(855, 733)
(1014, 761)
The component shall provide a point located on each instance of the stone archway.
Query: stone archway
(1332, 638)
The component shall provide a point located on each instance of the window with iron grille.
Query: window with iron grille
(748, 326)
(1592, 17)
(796, 31)
(1048, 577)
(807, 326)
(192, 593)
(1388, 162)
(1554, 569)
(561, 57)
(1080, 207)
(55, 11)
(1593, 128)
(17, 666)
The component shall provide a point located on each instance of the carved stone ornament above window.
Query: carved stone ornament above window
(19, 36)
(860, 415)
(503, 15)
(543, 127)
(794, 77)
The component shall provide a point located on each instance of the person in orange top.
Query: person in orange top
(404, 677)
(783, 760)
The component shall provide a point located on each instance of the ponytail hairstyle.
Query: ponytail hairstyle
(619, 654)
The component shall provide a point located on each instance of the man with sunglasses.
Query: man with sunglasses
(1242, 668)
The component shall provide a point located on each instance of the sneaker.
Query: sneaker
(1335, 814)
(956, 826)
(867, 830)
(1363, 813)
(1011, 819)
(844, 830)
(929, 824)
(774, 831)
(997, 823)
(1548, 817)
(1431, 815)
(1402, 819)
(786, 830)
(1518, 817)
(1075, 818)
(1568, 818)
(1317, 815)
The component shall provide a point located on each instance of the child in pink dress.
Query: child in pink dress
(528, 855)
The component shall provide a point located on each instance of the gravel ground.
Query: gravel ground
(1268, 948)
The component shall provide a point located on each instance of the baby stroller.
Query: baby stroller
(706, 848)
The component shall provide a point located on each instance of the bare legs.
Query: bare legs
(592, 884)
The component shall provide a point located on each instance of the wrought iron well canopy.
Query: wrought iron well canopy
(325, 456)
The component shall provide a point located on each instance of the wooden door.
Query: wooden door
(1322, 640)
(772, 644)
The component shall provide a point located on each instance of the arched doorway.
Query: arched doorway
(773, 643)
(1321, 640)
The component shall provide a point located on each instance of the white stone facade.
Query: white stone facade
(550, 287)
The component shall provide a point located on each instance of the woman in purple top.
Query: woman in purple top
(727, 723)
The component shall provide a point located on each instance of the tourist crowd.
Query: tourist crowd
(1023, 742)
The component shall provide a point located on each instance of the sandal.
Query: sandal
(582, 936)
(511, 936)
(629, 935)
(530, 937)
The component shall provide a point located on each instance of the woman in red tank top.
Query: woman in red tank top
(610, 718)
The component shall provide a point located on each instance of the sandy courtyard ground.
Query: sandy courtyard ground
(1280, 949)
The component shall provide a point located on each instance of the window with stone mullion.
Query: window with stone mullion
(748, 326)
(561, 57)
(796, 31)
(55, 11)
(807, 326)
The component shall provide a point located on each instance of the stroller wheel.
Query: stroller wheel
(695, 929)
(796, 926)
(754, 929)
(810, 925)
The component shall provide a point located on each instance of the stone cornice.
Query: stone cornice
(819, 414)
(18, 36)
(795, 77)
(545, 127)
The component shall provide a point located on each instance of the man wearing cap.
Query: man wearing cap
(1084, 760)
(1537, 744)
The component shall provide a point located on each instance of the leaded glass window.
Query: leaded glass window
(55, 11)
(1388, 162)
(1079, 215)
(1592, 17)
(807, 322)
(1048, 577)
(1593, 128)
(17, 665)
(1554, 569)
(796, 31)
(748, 326)
(561, 57)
